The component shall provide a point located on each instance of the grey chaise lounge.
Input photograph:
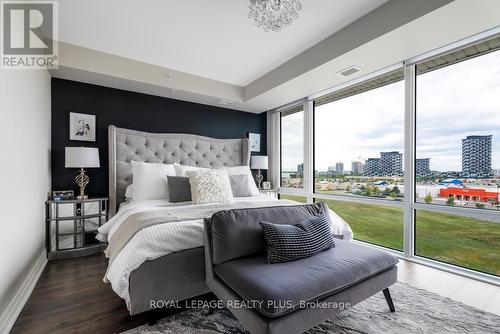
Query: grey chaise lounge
(290, 292)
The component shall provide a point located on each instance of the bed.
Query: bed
(165, 262)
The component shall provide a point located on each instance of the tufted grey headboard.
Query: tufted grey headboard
(129, 145)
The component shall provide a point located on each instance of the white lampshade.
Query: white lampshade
(81, 157)
(258, 162)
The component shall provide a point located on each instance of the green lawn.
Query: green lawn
(459, 240)
(300, 199)
(381, 225)
(464, 241)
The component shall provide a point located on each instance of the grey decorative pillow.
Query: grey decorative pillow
(239, 185)
(179, 189)
(294, 242)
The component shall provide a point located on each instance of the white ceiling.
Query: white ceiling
(216, 53)
(213, 39)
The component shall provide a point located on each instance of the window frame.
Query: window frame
(409, 204)
(304, 191)
(367, 200)
(363, 200)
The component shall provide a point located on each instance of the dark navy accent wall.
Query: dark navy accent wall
(134, 111)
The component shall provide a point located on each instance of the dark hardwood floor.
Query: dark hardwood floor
(70, 297)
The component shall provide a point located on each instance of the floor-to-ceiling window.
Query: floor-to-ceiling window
(458, 158)
(292, 148)
(358, 153)
(440, 118)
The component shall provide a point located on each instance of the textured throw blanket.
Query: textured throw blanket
(141, 220)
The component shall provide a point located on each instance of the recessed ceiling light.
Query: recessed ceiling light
(349, 71)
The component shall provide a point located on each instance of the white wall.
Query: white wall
(24, 179)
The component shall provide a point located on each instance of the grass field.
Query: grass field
(459, 240)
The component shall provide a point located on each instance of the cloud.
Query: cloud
(452, 103)
(292, 143)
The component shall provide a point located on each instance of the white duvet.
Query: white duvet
(159, 240)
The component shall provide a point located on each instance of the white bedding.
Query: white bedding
(159, 240)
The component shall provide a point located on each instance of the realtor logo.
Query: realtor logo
(29, 35)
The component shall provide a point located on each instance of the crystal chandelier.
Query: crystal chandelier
(273, 14)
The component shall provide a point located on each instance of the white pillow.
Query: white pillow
(129, 192)
(150, 180)
(239, 170)
(210, 186)
(181, 169)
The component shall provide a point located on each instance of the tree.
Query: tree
(396, 190)
(450, 201)
(428, 198)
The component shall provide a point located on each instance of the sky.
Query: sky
(453, 102)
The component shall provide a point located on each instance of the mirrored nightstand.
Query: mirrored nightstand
(71, 227)
(269, 192)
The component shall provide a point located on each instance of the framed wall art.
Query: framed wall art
(82, 127)
(254, 139)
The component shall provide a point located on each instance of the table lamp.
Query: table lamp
(258, 162)
(82, 157)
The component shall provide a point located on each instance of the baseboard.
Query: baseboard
(15, 306)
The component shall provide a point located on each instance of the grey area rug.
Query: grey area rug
(417, 311)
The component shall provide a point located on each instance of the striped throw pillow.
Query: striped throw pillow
(293, 242)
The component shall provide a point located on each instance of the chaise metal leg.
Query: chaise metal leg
(388, 298)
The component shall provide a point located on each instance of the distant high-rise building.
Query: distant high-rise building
(476, 156)
(339, 168)
(423, 167)
(300, 169)
(357, 167)
(331, 170)
(391, 163)
(372, 167)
